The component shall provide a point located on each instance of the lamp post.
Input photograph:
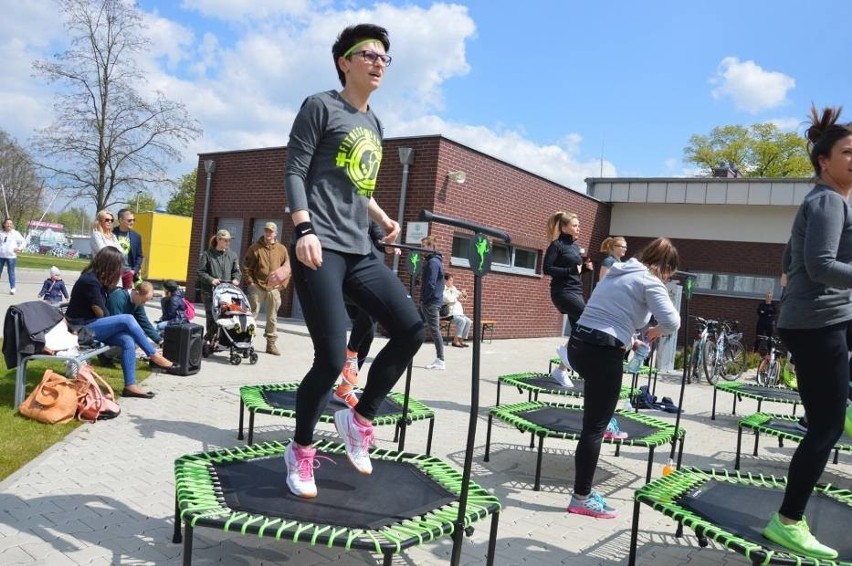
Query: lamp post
(406, 157)
(209, 168)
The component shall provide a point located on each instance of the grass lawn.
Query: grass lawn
(22, 439)
(45, 262)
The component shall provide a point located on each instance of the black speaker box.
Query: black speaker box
(182, 345)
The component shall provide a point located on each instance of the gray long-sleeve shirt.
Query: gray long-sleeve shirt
(818, 263)
(333, 159)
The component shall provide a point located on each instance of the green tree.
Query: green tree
(110, 137)
(760, 150)
(76, 220)
(182, 201)
(21, 185)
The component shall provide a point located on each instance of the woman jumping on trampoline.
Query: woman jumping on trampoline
(623, 301)
(333, 158)
(564, 261)
(816, 312)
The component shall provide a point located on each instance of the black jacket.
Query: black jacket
(37, 317)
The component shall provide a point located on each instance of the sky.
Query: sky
(564, 89)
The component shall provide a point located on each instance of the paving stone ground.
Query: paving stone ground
(105, 494)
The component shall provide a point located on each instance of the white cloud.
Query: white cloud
(751, 87)
(788, 124)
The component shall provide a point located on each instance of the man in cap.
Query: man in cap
(263, 257)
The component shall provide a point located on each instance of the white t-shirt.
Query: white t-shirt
(11, 243)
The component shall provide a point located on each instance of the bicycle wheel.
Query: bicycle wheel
(711, 366)
(733, 364)
(762, 376)
(774, 373)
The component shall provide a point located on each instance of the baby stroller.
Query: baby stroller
(235, 325)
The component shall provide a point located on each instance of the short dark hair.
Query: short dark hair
(121, 212)
(353, 35)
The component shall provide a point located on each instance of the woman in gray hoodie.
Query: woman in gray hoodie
(623, 301)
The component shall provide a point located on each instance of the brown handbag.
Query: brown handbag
(53, 401)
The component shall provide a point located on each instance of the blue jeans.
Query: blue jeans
(123, 331)
(10, 261)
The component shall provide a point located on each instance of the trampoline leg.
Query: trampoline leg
(734, 406)
(680, 451)
(537, 486)
(713, 410)
(242, 410)
(836, 453)
(794, 409)
(187, 545)
(177, 538)
(756, 440)
(396, 432)
(634, 534)
(739, 448)
(487, 457)
(498, 393)
(429, 436)
(388, 558)
(650, 465)
(251, 428)
(617, 449)
(492, 539)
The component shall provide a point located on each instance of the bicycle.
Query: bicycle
(769, 370)
(726, 356)
(705, 333)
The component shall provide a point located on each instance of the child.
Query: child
(53, 291)
(174, 308)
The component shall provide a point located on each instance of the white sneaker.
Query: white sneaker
(437, 364)
(300, 470)
(563, 355)
(12, 291)
(358, 439)
(560, 376)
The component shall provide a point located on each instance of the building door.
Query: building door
(235, 227)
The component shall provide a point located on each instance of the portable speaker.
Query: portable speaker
(182, 345)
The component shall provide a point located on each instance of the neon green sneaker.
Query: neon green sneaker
(797, 538)
(847, 426)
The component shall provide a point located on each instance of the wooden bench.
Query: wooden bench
(72, 362)
(486, 325)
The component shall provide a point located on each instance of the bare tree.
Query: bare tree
(110, 138)
(20, 182)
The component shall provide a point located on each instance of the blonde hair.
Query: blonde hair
(428, 241)
(611, 242)
(99, 218)
(556, 222)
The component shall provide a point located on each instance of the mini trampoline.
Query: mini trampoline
(555, 420)
(774, 394)
(243, 490)
(534, 383)
(732, 510)
(784, 427)
(280, 400)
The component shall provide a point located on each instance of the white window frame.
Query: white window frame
(727, 284)
(459, 261)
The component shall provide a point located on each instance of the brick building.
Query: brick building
(730, 231)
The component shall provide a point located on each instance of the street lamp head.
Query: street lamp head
(209, 166)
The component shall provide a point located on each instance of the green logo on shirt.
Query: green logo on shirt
(360, 155)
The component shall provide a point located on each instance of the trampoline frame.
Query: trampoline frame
(510, 415)
(757, 422)
(199, 503)
(519, 380)
(251, 398)
(733, 388)
(661, 494)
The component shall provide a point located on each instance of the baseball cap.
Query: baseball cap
(271, 226)
(223, 235)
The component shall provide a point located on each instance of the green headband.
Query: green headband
(357, 45)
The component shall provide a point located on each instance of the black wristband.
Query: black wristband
(303, 229)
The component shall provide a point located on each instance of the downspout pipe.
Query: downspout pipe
(406, 157)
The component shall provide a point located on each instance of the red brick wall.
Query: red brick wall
(250, 184)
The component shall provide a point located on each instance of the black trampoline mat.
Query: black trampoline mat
(570, 421)
(771, 393)
(396, 491)
(284, 399)
(547, 382)
(789, 427)
(744, 510)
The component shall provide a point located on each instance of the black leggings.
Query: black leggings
(822, 369)
(570, 303)
(362, 333)
(374, 288)
(601, 369)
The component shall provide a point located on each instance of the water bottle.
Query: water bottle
(642, 351)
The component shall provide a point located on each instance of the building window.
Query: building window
(506, 259)
(736, 284)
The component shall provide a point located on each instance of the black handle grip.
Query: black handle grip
(429, 216)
